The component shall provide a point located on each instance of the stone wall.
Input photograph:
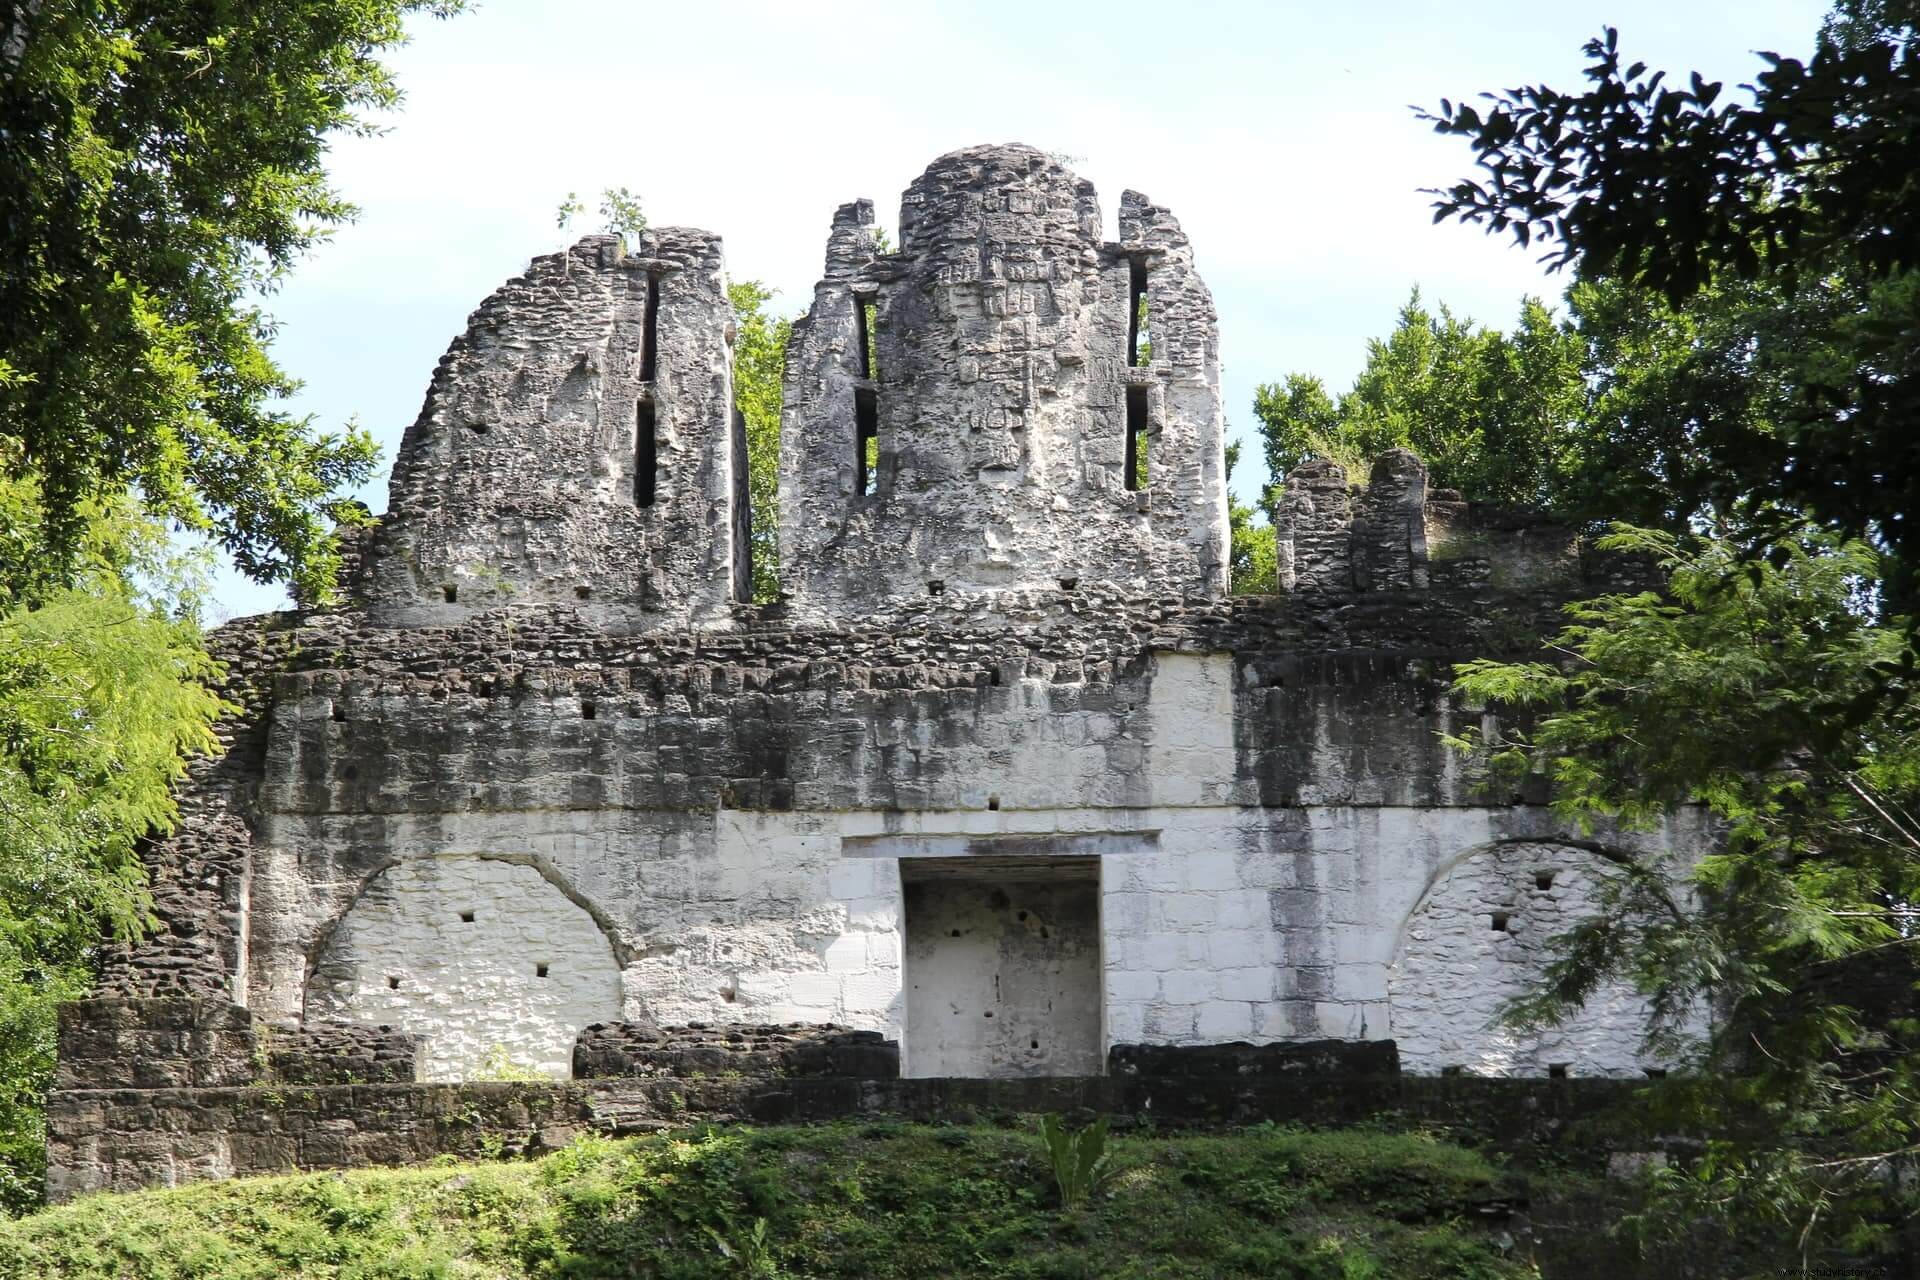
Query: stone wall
(781, 1050)
(198, 1041)
(1395, 534)
(340, 1053)
(1480, 937)
(176, 1042)
(710, 812)
(119, 1140)
(484, 958)
(126, 1139)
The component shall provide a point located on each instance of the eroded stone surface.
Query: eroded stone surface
(576, 446)
(1001, 372)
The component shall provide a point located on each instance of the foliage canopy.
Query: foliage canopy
(1803, 183)
(1765, 693)
(161, 169)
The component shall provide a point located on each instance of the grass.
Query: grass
(871, 1200)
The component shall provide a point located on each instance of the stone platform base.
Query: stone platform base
(125, 1139)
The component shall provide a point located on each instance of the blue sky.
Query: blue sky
(1279, 133)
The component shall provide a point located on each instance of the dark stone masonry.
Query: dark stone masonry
(607, 1050)
(1003, 805)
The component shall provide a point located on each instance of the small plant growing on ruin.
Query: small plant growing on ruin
(496, 1067)
(1079, 1158)
(263, 1053)
(620, 213)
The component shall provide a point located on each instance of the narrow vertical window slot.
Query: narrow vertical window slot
(1136, 459)
(646, 454)
(863, 309)
(650, 326)
(1137, 314)
(866, 439)
(866, 401)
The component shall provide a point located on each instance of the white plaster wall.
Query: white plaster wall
(1456, 970)
(1190, 729)
(1219, 923)
(405, 956)
(1003, 976)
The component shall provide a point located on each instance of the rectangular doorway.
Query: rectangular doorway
(1003, 969)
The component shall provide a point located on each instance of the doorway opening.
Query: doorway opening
(1003, 969)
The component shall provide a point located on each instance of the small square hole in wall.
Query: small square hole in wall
(540, 971)
(993, 803)
(1543, 879)
(1557, 1070)
(393, 984)
(588, 710)
(452, 593)
(936, 587)
(1500, 922)
(339, 712)
(1656, 1073)
(583, 593)
(466, 917)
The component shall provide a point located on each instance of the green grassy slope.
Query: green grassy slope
(856, 1200)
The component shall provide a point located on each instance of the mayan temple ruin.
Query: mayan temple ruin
(1005, 802)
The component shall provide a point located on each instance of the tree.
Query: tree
(160, 170)
(620, 212)
(1620, 410)
(1486, 411)
(1803, 181)
(1758, 690)
(759, 364)
(102, 698)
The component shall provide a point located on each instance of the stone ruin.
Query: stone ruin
(1005, 791)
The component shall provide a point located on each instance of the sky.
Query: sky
(1280, 133)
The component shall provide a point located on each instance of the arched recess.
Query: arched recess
(1480, 936)
(486, 957)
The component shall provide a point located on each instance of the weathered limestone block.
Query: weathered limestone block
(1311, 525)
(112, 1043)
(700, 1049)
(577, 446)
(1396, 534)
(1389, 535)
(201, 1041)
(1250, 1061)
(340, 1053)
(998, 380)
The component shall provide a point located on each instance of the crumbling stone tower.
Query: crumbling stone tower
(579, 445)
(1020, 435)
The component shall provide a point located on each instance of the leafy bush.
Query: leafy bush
(874, 1201)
